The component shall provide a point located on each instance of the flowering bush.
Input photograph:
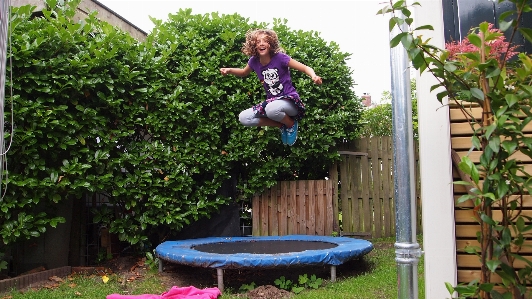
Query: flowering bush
(498, 46)
(478, 71)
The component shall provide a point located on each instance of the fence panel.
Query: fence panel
(366, 187)
(359, 194)
(466, 225)
(294, 207)
(367, 166)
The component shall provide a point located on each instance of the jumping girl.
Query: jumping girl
(282, 107)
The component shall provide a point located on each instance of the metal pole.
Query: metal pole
(220, 274)
(4, 22)
(407, 251)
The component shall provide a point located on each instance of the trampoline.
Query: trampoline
(262, 252)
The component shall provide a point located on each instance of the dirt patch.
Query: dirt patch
(267, 292)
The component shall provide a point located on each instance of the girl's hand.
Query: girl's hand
(224, 71)
(317, 80)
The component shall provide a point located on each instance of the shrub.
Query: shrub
(152, 126)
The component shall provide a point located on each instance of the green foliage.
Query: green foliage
(304, 282)
(377, 121)
(152, 126)
(247, 287)
(283, 283)
(103, 256)
(312, 282)
(76, 128)
(152, 261)
(3, 263)
(501, 87)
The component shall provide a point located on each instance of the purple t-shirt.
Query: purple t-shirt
(275, 76)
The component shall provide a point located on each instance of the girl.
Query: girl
(282, 107)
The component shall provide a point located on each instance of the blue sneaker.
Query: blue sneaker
(291, 134)
(283, 134)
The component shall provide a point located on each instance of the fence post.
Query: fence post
(333, 176)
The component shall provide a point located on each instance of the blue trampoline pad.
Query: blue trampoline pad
(263, 252)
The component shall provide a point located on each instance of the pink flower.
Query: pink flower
(497, 47)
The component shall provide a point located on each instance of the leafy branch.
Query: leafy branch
(481, 71)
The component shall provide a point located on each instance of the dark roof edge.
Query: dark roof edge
(119, 16)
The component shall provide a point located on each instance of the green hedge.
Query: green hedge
(153, 125)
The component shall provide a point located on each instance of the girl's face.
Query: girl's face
(263, 47)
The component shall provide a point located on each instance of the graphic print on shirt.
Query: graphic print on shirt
(271, 77)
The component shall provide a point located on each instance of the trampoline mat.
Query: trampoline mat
(262, 252)
(263, 247)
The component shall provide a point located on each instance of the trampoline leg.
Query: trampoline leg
(333, 273)
(160, 265)
(220, 273)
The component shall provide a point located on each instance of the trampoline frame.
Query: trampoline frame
(183, 252)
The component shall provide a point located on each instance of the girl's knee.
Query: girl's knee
(242, 118)
(274, 112)
(246, 118)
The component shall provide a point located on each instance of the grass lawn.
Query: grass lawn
(378, 279)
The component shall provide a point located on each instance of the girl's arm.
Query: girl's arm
(294, 64)
(236, 71)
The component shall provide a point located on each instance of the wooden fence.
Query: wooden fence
(366, 187)
(357, 199)
(468, 265)
(294, 208)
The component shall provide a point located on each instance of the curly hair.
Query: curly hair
(249, 47)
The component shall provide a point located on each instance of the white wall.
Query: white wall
(435, 168)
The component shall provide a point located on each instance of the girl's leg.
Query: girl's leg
(267, 122)
(248, 118)
(278, 113)
(281, 111)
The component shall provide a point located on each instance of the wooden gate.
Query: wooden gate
(366, 188)
(294, 208)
